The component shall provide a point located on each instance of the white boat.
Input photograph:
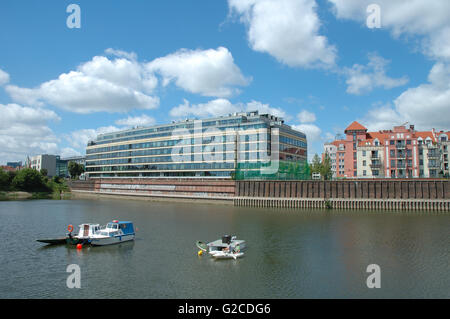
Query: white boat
(225, 248)
(85, 233)
(113, 233)
(226, 255)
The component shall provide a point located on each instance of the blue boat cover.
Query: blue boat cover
(127, 227)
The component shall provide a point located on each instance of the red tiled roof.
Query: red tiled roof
(355, 126)
(425, 134)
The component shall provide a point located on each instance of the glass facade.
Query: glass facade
(196, 148)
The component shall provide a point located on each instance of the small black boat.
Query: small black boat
(55, 241)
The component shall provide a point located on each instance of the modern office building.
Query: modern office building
(401, 152)
(214, 147)
(45, 161)
(62, 164)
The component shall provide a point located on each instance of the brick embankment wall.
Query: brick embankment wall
(361, 194)
(164, 188)
(362, 189)
(358, 194)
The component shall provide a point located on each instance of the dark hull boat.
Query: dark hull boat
(54, 241)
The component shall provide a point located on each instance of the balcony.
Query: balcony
(401, 165)
(374, 157)
(433, 155)
(401, 155)
(434, 165)
(375, 165)
(400, 146)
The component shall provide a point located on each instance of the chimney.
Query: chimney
(411, 127)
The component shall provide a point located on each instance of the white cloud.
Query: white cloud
(428, 19)
(207, 72)
(312, 132)
(287, 30)
(363, 79)
(78, 139)
(265, 109)
(219, 107)
(24, 131)
(4, 77)
(382, 118)
(306, 117)
(212, 108)
(101, 84)
(427, 106)
(69, 152)
(121, 54)
(143, 120)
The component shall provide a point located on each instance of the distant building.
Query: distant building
(401, 152)
(14, 164)
(46, 161)
(8, 168)
(62, 164)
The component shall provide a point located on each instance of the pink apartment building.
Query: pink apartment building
(401, 152)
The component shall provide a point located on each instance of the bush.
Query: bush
(4, 180)
(30, 180)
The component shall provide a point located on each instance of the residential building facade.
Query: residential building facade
(401, 152)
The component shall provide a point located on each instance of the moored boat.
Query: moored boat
(226, 248)
(113, 233)
(85, 233)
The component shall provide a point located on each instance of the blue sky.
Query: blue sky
(314, 62)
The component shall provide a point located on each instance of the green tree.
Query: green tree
(44, 171)
(316, 165)
(29, 180)
(75, 169)
(4, 180)
(325, 167)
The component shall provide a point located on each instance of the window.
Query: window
(392, 142)
(364, 173)
(363, 153)
(392, 153)
(364, 163)
(408, 142)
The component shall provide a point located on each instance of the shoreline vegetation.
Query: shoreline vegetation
(28, 183)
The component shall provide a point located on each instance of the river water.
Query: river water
(291, 253)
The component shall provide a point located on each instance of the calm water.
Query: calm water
(291, 253)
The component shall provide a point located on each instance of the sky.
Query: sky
(68, 74)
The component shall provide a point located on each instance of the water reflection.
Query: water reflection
(290, 253)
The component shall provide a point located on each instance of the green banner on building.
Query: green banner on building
(275, 170)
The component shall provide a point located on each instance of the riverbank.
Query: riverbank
(383, 194)
(18, 195)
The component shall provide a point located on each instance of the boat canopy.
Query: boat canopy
(127, 227)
